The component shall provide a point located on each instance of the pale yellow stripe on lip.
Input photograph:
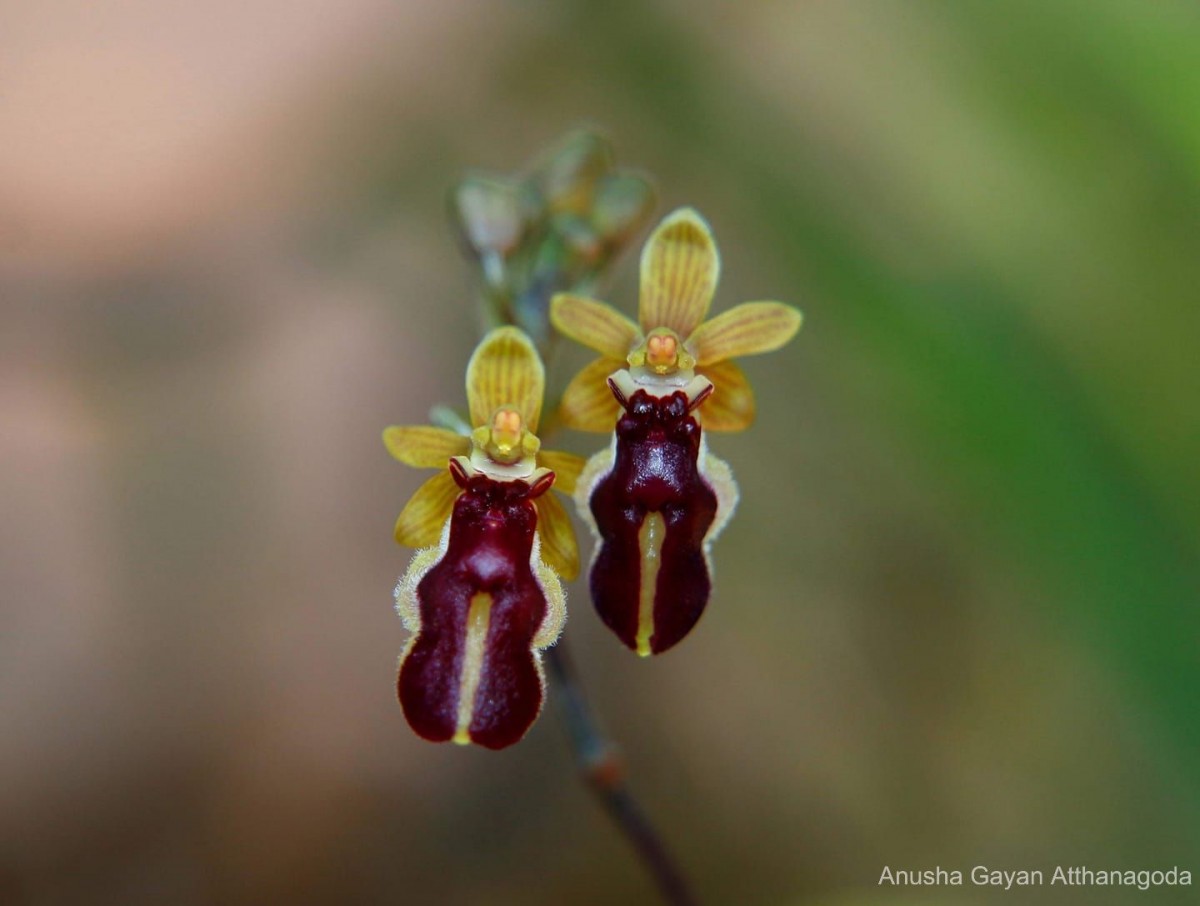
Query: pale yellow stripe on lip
(478, 617)
(650, 540)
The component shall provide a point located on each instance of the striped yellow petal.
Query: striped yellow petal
(559, 549)
(421, 521)
(594, 324)
(424, 446)
(731, 406)
(680, 266)
(745, 329)
(587, 403)
(565, 466)
(505, 371)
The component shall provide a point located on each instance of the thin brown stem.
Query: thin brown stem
(603, 769)
(597, 758)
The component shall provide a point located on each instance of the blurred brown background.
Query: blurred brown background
(956, 617)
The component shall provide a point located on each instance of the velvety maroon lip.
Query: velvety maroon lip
(655, 471)
(486, 562)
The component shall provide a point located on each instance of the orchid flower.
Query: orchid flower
(656, 499)
(483, 595)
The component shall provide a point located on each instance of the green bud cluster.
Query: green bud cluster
(556, 226)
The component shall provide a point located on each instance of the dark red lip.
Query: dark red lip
(483, 584)
(655, 474)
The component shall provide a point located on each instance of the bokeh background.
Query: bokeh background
(956, 618)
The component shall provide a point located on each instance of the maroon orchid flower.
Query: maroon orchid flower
(657, 498)
(483, 596)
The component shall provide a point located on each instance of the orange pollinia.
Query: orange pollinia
(656, 499)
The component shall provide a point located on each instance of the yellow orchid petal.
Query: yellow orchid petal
(505, 371)
(421, 521)
(424, 446)
(680, 266)
(559, 549)
(594, 324)
(587, 403)
(745, 329)
(731, 406)
(565, 466)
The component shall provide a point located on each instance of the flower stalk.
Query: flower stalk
(603, 769)
(483, 595)
(558, 229)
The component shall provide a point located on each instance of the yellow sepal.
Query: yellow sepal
(680, 266)
(421, 521)
(745, 329)
(587, 403)
(424, 446)
(731, 406)
(559, 549)
(565, 466)
(505, 370)
(596, 325)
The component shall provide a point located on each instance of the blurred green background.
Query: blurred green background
(956, 615)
